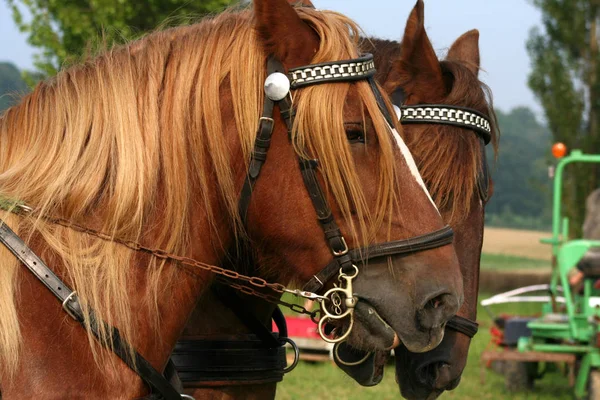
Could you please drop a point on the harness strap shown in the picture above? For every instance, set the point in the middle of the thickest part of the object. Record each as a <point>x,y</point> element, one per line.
<point>261,144</point>
<point>308,169</point>
<point>404,247</point>
<point>228,360</point>
<point>463,325</point>
<point>72,306</point>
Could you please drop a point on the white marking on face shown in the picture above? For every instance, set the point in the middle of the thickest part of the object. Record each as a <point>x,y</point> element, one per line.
<point>409,159</point>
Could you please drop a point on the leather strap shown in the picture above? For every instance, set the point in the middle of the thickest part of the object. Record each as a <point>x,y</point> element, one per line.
<point>226,363</point>
<point>239,358</point>
<point>404,247</point>
<point>463,325</point>
<point>261,144</point>
<point>71,305</point>
<point>483,178</point>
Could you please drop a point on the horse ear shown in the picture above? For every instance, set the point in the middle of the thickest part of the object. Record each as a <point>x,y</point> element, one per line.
<point>418,65</point>
<point>466,50</point>
<point>284,34</point>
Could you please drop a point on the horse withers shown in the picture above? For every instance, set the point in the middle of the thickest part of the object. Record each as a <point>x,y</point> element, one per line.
<point>126,172</point>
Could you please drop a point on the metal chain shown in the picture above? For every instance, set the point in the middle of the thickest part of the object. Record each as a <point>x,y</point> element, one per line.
<point>226,274</point>
<point>273,299</point>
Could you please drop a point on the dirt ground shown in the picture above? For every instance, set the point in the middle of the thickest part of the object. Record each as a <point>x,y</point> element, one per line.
<point>516,243</point>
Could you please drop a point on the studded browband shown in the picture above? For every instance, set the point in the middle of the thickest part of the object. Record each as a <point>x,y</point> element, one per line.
<point>449,115</point>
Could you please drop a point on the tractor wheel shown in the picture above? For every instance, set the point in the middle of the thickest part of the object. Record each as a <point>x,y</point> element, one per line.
<point>594,385</point>
<point>519,375</point>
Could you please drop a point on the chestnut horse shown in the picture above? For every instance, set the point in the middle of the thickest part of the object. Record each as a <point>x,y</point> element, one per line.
<point>453,163</point>
<point>122,177</point>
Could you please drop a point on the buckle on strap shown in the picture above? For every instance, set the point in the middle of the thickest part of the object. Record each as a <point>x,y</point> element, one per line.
<point>65,305</point>
<point>342,252</point>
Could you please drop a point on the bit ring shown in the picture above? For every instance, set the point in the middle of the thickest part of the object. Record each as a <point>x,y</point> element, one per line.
<point>294,363</point>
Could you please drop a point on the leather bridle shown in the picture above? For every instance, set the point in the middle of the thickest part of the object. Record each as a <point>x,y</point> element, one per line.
<point>345,260</point>
<point>462,117</point>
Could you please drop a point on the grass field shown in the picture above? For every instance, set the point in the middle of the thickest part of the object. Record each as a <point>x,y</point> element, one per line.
<point>504,250</point>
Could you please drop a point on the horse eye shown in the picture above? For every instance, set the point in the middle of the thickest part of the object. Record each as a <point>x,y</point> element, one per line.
<point>355,136</point>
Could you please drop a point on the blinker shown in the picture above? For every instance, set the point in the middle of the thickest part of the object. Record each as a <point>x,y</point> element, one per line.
<point>277,86</point>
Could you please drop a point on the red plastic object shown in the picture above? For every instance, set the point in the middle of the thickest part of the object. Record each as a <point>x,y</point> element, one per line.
<point>301,327</point>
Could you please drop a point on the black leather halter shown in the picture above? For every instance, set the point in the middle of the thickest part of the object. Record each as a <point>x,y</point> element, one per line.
<point>343,258</point>
<point>462,117</point>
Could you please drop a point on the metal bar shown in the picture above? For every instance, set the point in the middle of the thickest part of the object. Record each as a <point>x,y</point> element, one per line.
<point>558,348</point>
<point>515,355</point>
<point>520,299</point>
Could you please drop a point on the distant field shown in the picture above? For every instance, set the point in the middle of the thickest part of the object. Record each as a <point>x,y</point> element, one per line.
<point>513,242</point>
<point>512,263</point>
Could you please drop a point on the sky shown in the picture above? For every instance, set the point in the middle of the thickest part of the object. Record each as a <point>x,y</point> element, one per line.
<point>503,25</point>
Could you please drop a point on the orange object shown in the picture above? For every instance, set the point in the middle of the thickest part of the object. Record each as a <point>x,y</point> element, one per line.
<point>559,150</point>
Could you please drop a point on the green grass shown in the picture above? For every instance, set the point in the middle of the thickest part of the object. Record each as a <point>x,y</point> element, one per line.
<point>503,261</point>
<point>324,381</point>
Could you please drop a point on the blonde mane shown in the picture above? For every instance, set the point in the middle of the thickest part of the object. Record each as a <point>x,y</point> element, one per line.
<point>119,143</point>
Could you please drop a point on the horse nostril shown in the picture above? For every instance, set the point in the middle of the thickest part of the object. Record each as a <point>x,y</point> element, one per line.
<point>434,303</point>
<point>437,376</point>
<point>443,376</point>
<point>436,311</point>
<point>427,375</point>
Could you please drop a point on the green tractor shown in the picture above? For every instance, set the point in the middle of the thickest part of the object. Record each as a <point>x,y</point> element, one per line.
<point>568,329</point>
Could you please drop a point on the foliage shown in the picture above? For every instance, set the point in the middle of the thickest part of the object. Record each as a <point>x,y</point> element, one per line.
<point>11,85</point>
<point>64,29</point>
<point>522,194</point>
<point>565,78</point>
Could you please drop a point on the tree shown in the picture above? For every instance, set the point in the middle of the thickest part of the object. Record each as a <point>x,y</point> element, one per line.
<point>521,184</point>
<point>11,85</point>
<point>66,29</point>
<point>565,78</point>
